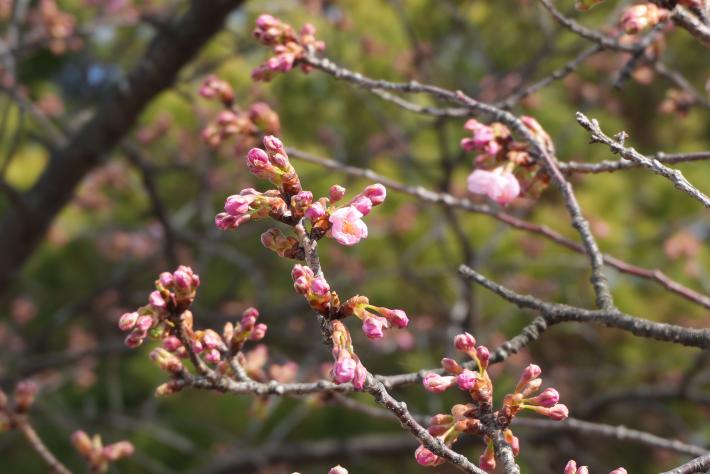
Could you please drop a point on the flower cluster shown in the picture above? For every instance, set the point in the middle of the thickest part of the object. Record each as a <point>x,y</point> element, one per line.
<point>571,468</point>
<point>96,454</point>
<point>347,366</point>
<point>290,204</point>
<point>642,16</point>
<point>479,418</point>
<point>504,167</point>
<point>288,47</point>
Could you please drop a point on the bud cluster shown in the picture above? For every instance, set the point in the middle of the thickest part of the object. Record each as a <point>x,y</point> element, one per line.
<point>504,167</point>
<point>374,318</point>
<point>96,454</point>
<point>174,294</point>
<point>288,46</point>
<point>642,16</point>
<point>347,366</point>
<point>20,403</point>
<point>479,418</point>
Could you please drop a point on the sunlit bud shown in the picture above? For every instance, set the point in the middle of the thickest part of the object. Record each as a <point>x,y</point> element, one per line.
<point>143,323</point>
<point>157,301</point>
<point>319,286</point>
<point>465,342</point>
<point>212,356</point>
<point>373,327</point>
<point>127,321</point>
<point>583,470</point>
<point>548,398</point>
<point>116,451</point>
<point>301,270</point>
<point>135,338</point>
<point>362,204</point>
<point>258,332</point>
<point>224,221</point>
<point>273,144</point>
<point>166,279</point>
<point>301,285</point>
<point>25,393</point>
<point>441,419</point>
<point>182,279</point>
<point>451,366</point>
<point>315,211</point>
<point>483,355</point>
<point>257,160</point>
<point>532,387</point>
<point>558,412</point>
<point>436,383</point>
<point>571,467</point>
<point>375,193</point>
<point>425,457</point>
<point>237,205</point>
<point>530,372</point>
<point>338,470</point>
<point>336,193</point>
<point>466,379</point>
<point>82,443</point>
<point>301,201</point>
<point>396,317</point>
<point>344,368</point>
<point>212,340</point>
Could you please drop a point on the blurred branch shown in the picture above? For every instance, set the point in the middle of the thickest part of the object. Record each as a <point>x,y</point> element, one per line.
<point>173,47</point>
<point>699,464</point>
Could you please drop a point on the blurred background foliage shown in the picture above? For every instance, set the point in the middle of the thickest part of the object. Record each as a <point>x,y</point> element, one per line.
<point>106,248</point>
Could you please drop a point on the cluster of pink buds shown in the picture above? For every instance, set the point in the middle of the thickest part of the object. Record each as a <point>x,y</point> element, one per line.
<point>288,47</point>
<point>313,287</point>
<point>504,167</point>
<point>174,294</point>
<point>642,16</point>
<point>215,88</point>
<point>469,418</point>
<point>571,468</point>
<point>96,454</point>
<point>374,318</point>
<point>347,366</point>
<point>249,204</point>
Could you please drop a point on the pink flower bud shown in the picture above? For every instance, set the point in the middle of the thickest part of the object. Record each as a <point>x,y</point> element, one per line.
<point>499,185</point>
<point>571,467</point>
<point>336,193</point>
<point>248,321</point>
<point>451,366</point>
<point>237,205</point>
<point>135,338</point>
<point>25,394</point>
<point>373,326</point>
<point>360,376</point>
<point>315,211</point>
<point>513,441</point>
<point>618,470</point>
<point>157,301</point>
<point>467,379</point>
<point>273,144</point>
<point>396,317</point>
<point>425,457</point>
<point>344,368</point>
<point>143,323</point>
<point>465,342</point>
<point>558,412</point>
<point>375,193</point>
<point>128,321</point>
<point>301,285</point>
<point>172,343</point>
<point>212,356</point>
<point>257,160</point>
<point>166,360</point>
<point>436,383</point>
<point>483,355</point>
<point>547,398</point>
<point>182,279</point>
<point>319,286</point>
<point>583,470</point>
<point>211,339</point>
<point>338,470</point>
<point>166,279</point>
<point>250,313</point>
<point>224,221</point>
<point>530,372</point>
<point>258,333</point>
<point>265,21</point>
<point>301,270</point>
<point>362,204</point>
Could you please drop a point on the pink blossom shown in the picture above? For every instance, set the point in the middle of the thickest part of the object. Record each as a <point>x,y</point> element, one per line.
<point>436,383</point>
<point>375,193</point>
<point>499,185</point>
<point>348,227</point>
<point>360,375</point>
<point>319,286</point>
<point>344,368</point>
<point>548,398</point>
<point>571,467</point>
<point>315,211</point>
<point>362,204</point>
<point>157,301</point>
<point>530,372</point>
<point>466,379</point>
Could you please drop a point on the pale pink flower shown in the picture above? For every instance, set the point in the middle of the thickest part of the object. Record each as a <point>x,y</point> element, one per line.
<point>499,185</point>
<point>348,227</point>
